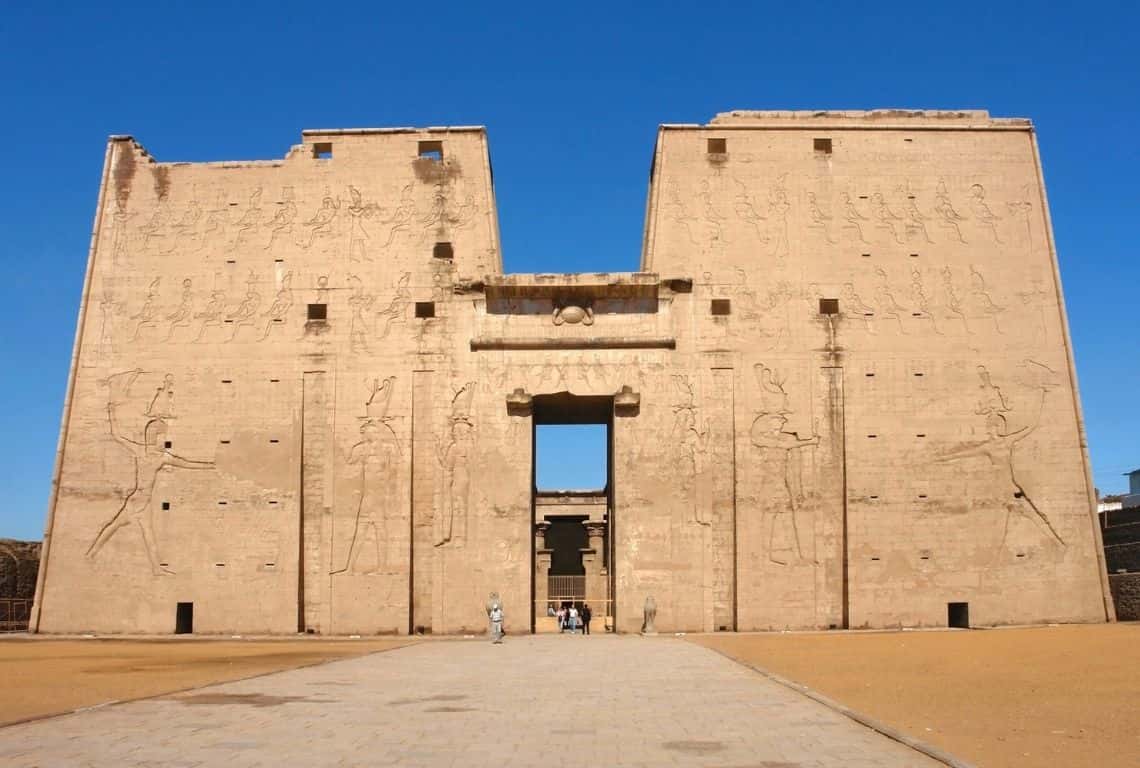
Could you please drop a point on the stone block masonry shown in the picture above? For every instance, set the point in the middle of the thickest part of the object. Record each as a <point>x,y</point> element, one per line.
<point>839,393</point>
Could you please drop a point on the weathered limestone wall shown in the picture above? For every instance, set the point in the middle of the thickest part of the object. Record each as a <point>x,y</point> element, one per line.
<point>214,426</point>
<point>935,411</point>
<point>840,390</point>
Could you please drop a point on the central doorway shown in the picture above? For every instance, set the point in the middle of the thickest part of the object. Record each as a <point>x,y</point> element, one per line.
<point>572,506</point>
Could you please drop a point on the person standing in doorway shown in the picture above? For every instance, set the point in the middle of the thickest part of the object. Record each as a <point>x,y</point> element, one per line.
<point>496,616</point>
<point>586,616</point>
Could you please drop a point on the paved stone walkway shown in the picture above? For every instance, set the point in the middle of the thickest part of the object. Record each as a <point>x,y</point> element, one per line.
<point>534,701</point>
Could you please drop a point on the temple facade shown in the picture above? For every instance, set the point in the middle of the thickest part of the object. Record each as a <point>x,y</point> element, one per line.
<point>840,392</point>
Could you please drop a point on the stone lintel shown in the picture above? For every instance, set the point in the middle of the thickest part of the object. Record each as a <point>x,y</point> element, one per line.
<point>597,342</point>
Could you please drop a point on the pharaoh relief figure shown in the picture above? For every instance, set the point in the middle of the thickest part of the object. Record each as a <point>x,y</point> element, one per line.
<point>455,451</point>
<point>376,457</point>
<point>782,464</point>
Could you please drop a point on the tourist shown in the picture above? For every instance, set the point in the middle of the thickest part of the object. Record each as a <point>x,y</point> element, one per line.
<point>496,624</point>
<point>562,618</point>
<point>573,619</point>
<point>586,615</point>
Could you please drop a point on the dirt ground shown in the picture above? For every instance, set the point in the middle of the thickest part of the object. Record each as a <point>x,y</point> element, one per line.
<point>1041,696</point>
<point>45,676</point>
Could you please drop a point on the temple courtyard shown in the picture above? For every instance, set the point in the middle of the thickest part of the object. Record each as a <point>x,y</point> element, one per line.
<point>1026,697</point>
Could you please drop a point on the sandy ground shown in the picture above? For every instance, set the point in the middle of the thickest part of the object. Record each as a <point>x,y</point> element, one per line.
<point>1043,696</point>
<point>41,677</point>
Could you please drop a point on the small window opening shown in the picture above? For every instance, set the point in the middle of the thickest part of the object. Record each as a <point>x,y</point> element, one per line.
<point>874,496</point>
<point>823,146</point>
<point>862,197</point>
<point>274,381</point>
<point>908,139</point>
<point>866,255</point>
<point>921,434</point>
<point>279,261</point>
<point>273,501</point>
<point>425,309</point>
<point>165,505</point>
<point>874,559</point>
<point>914,255</point>
<point>225,442</point>
<point>222,503</point>
<point>958,615</point>
<point>924,557</point>
<point>721,306</point>
<point>872,436</point>
<point>717,146</point>
<point>920,374</point>
<point>869,375</point>
<point>322,150</point>
<point>274,440</point>
<point>443,251</point>
<point>167,444</point>
<point>922,495</point>
<point>270,565</point>
<point>231,261</point>
<point>227,381</point>
<point>1018,495</point>
<point>219,565</point>
<point>831,307</point>
<point>431,150</point>
<point>318,312</point>
<point>184,619</point>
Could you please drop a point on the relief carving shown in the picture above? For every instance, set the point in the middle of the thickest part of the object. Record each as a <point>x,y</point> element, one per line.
<point>781,461</point>
<point>278,312</point>
<point>999,448</point>
<point>455,452</point>
<point>377,454</point>
<point>149,457</point>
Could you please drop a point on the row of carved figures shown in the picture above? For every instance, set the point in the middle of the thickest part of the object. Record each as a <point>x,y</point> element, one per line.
<point>365,227</point>
<point>936,300</point>
<point>902,216</point>
<point>221,318</point>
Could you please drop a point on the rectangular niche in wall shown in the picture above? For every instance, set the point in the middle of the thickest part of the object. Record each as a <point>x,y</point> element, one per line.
<point>958,615</point>
<point>431,150</point>
<point>184,619</point>
<point>425,309</point>
<point>318,312</point>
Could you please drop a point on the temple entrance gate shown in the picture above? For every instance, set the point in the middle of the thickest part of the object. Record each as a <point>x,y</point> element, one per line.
<point>571,556</point>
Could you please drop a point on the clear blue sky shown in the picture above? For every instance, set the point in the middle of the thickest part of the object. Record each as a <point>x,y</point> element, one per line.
<point>571,94</point>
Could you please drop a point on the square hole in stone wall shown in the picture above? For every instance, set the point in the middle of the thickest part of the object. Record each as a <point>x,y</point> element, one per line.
<point>322,150</point>
<point>431,150</point>
<point>425,309</point>
<point>318,312</point>
<point>829,306</point>
<point>823,146</point>
<point>717,146</point>
<point>443,251</point>
<point>721,307</point>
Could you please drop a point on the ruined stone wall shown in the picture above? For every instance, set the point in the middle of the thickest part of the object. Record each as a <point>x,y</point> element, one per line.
<point>19,563</point>
<point>1126,595</point>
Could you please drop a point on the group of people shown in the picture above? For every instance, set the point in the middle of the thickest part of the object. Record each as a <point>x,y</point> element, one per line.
<point>571,618</point>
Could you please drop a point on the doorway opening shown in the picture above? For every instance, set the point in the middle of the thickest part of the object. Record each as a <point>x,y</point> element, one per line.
<point>958,615</point>
<point>572,503</point>
<point>184,619</point>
